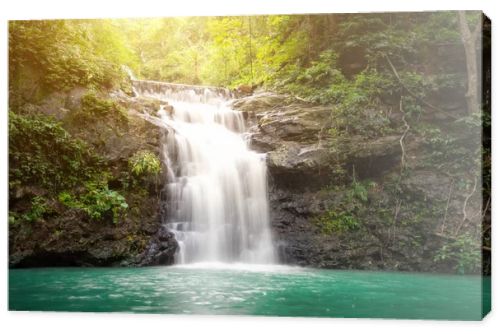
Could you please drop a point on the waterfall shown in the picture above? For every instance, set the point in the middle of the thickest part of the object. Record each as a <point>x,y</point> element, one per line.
<point>217,187</point>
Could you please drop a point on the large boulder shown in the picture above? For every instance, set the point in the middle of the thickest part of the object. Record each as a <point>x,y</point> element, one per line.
<point>292,165</point>
<point>374,157</point>
<point>296,137</point>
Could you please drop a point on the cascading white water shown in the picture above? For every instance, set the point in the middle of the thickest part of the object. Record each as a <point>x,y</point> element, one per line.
<point>218,205</point>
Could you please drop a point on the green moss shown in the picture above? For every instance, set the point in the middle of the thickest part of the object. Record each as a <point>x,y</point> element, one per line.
<point>144,163</point>
<point>348,213</point>
<point>337,222</point>
<point>96,108</point>
<point>38,208</point>
<point>464,252</point>
<point>42,153</point>
<point>96,201</point>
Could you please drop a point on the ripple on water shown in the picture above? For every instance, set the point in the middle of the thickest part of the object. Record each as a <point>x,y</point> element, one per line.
<point>254,291</point>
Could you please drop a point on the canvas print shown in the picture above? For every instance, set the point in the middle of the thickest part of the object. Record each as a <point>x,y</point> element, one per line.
<point>326,165</point>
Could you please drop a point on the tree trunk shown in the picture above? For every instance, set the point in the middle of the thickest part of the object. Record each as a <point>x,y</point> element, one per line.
<point>469,39</point>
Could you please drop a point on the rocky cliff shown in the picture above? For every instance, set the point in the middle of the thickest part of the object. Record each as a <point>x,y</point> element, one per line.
<point>348,204</point>
<point>336,202</point>
<point>65,236</point>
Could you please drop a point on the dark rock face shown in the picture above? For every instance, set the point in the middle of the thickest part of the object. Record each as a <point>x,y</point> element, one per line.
<point>161,250</point>
<point>302,165</point>
<point>373,158</point>
<point>67,237</point>
<point>295,137</point>
<point>301,242</point>
<point>291,134</point>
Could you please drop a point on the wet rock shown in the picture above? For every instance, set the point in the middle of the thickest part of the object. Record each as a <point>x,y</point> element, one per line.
<point>373,158</point>
<point>68,237</point>
<point>161,250</point>
<point>260,102</point>
<point>295,166</point>
<point>429,183</point>
<point>301,164</point>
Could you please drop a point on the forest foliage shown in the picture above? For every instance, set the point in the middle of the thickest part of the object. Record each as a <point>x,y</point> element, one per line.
<point>322,58</point>
<point>371,68</point>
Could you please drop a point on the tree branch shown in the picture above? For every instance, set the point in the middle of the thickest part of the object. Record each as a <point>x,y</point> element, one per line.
<point>401,140</point>
<point>394,220</point>
<point>464,208</point>
<point>443,224</point>
<point>464,26</point>
<point>467,199</point>
<point>469,40</point>
<point>465,29</point>
<point>486,208</point>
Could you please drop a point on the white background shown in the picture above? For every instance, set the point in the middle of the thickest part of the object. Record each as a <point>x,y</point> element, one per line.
<point>19,322</point>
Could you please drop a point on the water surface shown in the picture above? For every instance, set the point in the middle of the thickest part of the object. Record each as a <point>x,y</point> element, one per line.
<point>247,290</point>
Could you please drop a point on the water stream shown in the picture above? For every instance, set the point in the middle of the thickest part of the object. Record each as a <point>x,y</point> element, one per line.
<point>217,187</point>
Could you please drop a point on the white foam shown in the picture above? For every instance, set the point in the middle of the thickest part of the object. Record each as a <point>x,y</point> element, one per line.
<point>238,266</point>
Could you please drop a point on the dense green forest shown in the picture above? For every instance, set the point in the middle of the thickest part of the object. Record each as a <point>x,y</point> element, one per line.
<point>370,68</point>
<point>350,61</point>
<point>296,53</point>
